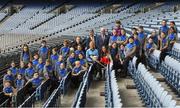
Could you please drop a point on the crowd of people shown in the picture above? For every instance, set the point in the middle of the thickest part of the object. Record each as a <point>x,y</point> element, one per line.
<point>76,57</point>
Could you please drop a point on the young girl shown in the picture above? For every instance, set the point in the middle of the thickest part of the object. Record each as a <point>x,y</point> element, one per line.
<point>171,37</point>
<point>79,50</point>
<point>25,55</point>
<point>48,70</point>
<point>82,60</point>
<point>8,89</point>
<point>19,83</point>
<point>104,56</point>
<point>60,60</point>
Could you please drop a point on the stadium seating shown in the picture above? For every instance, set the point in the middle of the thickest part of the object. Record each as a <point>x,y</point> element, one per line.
<point>151,90</point>
<point>112,97</point>
<point>171,71</point>
<point>175,52</point>
<point>154,59</point>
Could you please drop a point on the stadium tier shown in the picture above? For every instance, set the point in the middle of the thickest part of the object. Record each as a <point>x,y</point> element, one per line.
<point>94,53</point>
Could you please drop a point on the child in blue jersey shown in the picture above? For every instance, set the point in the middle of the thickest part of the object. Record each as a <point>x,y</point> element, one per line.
<point>60,60</point>
<point>163,45</point>
<point>114,37</point>
<point>48,70</point>
<point>64,51</point>
<point>35,60</point>
<point>150,46</point>
<point>142,39</point>
<point>43,51</point>
<point>36,80</point>
<point>19,83</point>
<point>54,57</point>
<point>13,68</point>
<point>25,55</point>
<point>77,73</point>
<point>164,28</point>
<point>62,71</point>
<point>137,44</point>
<point>71,61</point>
<point>82,60</point>
<point>123,38</point>
<point>8,77</point>
<point>171,37</point>
<point>130,51</point>
<point>154,36</point>
<point>79,50</point>
<point>22,69</point>
<point>8,90</point>
<point>40,67</point>
<point>121,54</point>
<point>29,71</point>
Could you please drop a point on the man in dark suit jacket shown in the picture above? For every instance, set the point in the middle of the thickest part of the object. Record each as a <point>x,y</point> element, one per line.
<point>102,39</point>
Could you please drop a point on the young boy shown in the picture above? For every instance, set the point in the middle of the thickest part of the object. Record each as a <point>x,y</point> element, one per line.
<point>8,89</point>
<point>62,72</point>
<point>35,60</point>
<point>77,73</point>
<point>150,46</point>
<point>22,68</point>
<point>48,70</point>
<point>123,38</point>
<point>19,83</point>
<point>40,67</point>
<point>114,37</point>
<point>64,51</point>
<point>13,68</point>
<point>79,50</point>
<point>43,51</point>
<point>83,61</point>
<point>29,71</point>
<point>60,60</point>
<point>70,61</point>
<point>54,57</point>
<point>8,77</point>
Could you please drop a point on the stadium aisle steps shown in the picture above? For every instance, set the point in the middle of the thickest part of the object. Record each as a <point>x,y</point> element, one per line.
<point>130,97</point>
<point>93,96</point>
<point>67,100</point>
<point>166,86</point>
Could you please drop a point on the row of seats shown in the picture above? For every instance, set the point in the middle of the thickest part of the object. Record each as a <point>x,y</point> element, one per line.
<point>175,52</point>
<point>151,90</point>
<point>171,71</point>
<point>112,96</point>
<point>80,97</point>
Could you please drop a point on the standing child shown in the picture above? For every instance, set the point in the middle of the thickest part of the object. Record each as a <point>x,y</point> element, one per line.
<point>44,51</point>
<point>54,57</point>
<point>71,61</point>
<point>64,51</point>
<point>8,77</point>
<point>35,60</point>
<point>13,68</point>
<point>62,72</point>
<point>29,71</point>
<point>25,55</point>
<point>22,69</point>
<point>163,46</point>
<point>40,67</point>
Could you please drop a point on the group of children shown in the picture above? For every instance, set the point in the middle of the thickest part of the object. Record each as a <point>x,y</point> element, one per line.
<point>75,58</point>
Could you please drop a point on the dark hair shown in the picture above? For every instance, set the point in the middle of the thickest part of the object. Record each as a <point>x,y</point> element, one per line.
<point>173,22</point>
<point>141,27</point>
<point>43,41</point>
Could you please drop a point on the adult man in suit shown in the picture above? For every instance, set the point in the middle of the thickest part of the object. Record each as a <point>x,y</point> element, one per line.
<point>102,39</point>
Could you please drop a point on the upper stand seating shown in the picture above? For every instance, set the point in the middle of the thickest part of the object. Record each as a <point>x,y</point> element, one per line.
<point>112,96</point>
<point>171,71</point>
<point>151,90</point>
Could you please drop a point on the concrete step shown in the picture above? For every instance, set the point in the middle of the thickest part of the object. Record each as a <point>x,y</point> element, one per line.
<point>93,96</point>
<point>129,94</point>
